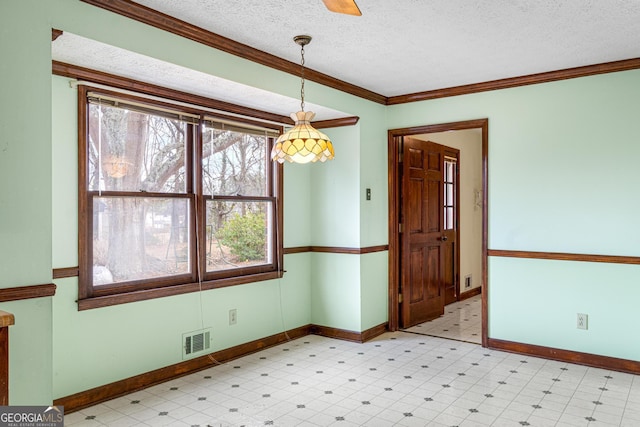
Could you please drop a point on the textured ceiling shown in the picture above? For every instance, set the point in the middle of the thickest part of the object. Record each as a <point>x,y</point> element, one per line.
<point>73,49</point>
<point>396,47</point>
<point>399,47</point>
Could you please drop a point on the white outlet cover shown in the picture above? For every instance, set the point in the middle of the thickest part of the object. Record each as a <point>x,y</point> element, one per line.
<point>582,321</point>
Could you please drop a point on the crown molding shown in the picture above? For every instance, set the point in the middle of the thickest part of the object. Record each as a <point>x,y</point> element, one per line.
<point>181,28</point>
<point>55,34</point>
<point>334,123</point>
<point>551,76</point>
<point>184,29</point>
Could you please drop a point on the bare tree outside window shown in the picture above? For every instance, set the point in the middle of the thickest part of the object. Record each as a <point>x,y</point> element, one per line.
<point>134,153</point>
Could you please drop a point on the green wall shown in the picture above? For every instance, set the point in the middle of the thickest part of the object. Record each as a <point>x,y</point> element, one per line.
<point>335,278</point>
<point>562,178</point>
<point>374,218</point>
<point>373,174</point>
<point>25,194</point>
<point>536,301</point>
<point>374,289</point>
<point>335,189</point>
<point>350,291</point>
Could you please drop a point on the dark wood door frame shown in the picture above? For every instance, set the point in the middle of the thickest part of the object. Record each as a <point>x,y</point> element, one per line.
<point>394,209</point>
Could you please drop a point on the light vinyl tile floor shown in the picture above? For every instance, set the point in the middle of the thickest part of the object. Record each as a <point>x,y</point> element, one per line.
<point>397,379</point>
<point>462,321</point>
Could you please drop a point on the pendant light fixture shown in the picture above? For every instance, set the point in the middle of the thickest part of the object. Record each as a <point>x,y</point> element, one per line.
<point>302,143</point>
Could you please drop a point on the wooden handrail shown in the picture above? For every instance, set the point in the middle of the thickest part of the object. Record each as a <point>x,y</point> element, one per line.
<point>6,320</point>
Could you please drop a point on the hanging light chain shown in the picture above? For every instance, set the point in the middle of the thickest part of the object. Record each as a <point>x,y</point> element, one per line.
<point>302,77</point>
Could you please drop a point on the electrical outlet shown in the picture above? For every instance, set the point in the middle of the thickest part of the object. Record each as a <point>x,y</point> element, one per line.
<point>467,281</point>
<point>233,316</point>
<point>582,321</point>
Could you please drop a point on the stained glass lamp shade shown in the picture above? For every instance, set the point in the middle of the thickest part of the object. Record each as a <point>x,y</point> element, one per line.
<point>302,143</point>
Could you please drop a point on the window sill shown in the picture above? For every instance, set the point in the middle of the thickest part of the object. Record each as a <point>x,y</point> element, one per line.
<point>167,291</point>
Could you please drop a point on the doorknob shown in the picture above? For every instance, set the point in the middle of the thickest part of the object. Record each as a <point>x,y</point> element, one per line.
<point>444,238</point>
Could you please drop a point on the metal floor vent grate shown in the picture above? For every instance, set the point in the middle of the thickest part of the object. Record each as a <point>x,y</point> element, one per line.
<point>196,342</point>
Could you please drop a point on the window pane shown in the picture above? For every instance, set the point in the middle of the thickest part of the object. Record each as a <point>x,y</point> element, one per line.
<point>233,163</point>
<point>448,194</point>
<point>133,151</point>
<point>138,238</point>
<point>238,234</point>
<point>448,219</point>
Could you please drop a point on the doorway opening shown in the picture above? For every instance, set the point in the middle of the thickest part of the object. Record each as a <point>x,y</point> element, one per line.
<point>418,250</point>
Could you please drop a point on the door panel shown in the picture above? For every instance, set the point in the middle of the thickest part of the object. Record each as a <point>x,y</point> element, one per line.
<point>414,204</point>
<point>434,286</point>
<point>424,284</point>
<point>416,289</point>
<point>433,213</point>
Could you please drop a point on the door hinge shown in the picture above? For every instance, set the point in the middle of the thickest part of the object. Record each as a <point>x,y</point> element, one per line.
<point>399,298</point>
<point>399,228</point>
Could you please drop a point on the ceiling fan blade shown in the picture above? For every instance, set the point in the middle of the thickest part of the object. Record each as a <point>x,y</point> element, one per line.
<point>348,7</point>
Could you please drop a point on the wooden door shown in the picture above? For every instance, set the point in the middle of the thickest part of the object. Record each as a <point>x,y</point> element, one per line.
<point>422,252</point>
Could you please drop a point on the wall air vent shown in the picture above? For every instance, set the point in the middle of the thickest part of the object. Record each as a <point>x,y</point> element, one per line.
<point>196,343</point>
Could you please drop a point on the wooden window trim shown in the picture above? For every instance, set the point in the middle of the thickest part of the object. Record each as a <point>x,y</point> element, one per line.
<point>161,292</point>
<point>90,297</point>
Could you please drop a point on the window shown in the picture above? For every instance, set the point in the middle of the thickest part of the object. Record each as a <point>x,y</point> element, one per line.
<point>450,165</point>
<point>172,199</point>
